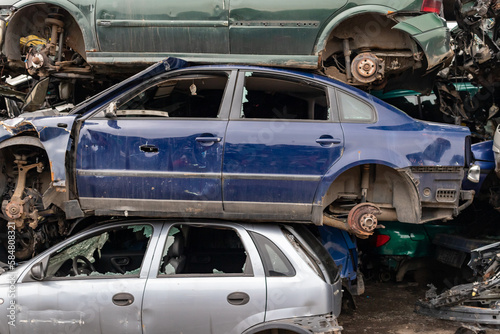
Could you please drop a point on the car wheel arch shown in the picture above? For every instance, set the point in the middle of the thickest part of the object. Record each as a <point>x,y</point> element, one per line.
<point>343,17</point>
<point>355,34</point>
<point>22,23</point>
<point>388,185</point>
<point>27,143</point>
<point>276,328</point>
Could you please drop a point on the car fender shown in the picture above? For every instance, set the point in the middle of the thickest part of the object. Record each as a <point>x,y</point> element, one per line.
<point>322,39</point>
<point>54,136</point>
<point>426,31</point>
<point>82,14</point>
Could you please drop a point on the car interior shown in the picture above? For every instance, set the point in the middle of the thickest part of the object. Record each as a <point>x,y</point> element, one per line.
<point>279,99</point>
<point>191,97</point>
<point>194,249</point>
<point>118,251</point>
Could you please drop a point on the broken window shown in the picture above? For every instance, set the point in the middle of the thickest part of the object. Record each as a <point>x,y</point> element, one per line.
<point>269,97</point>
<point>354,110</point>
<point>117,251</point>
<point>193,249</point>
<point>197,96</point>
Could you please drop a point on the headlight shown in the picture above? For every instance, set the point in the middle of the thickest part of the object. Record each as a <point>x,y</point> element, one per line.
<point>474,173</point>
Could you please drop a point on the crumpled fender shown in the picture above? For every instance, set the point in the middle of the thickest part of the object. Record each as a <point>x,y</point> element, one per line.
<point>54,134</point>
<point>431,33</point>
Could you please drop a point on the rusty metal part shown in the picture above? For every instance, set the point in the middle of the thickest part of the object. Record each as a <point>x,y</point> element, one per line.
<point>362,219</point>
<point>20,208</point>
<point>366,67</point>
<point>337,223</point>
<point>365,181</point>
<point>56,26</point>
<point>347,56</point>
<point>37,60</point>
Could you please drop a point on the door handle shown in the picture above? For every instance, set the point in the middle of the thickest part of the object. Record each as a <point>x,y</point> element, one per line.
<point>148,148</point>
<point>238,298</point>
<point>119,262</point>
<point>328,141</point>
<point>208,141</point>
<point>123,299</point>
<point>104,23</point>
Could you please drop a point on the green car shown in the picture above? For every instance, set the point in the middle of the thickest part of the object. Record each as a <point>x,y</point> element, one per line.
<point>367,43</point>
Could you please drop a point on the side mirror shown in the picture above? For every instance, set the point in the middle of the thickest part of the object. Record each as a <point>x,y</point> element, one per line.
<point>36,97</point>
<point>110,111</point>
<point>38,272</point>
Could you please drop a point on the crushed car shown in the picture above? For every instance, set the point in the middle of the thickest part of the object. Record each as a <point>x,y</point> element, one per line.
<point>151,276</point>
<point>231,142</point>
<point>364,43</point>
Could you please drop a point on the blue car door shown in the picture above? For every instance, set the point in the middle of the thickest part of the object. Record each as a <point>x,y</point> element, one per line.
<point>281,139</point>
<point>162,152</point>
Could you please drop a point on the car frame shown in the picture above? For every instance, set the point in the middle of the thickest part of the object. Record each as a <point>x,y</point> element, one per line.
<point>344,170</point>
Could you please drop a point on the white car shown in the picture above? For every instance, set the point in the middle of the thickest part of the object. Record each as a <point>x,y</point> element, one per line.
<point>144,276</point>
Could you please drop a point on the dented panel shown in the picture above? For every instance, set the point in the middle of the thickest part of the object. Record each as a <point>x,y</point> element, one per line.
<point>54,134</point>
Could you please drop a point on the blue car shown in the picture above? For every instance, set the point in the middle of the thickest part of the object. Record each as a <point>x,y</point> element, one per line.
<point>232,142</point>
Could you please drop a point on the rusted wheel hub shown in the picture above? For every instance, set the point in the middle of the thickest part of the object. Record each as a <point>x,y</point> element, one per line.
<point>362,219</point>
<point>367,67</point>
<point>14,210</point>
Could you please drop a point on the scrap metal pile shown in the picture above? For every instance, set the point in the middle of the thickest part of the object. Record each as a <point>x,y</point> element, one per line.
<point>477,59</point>
<point>477,302</point>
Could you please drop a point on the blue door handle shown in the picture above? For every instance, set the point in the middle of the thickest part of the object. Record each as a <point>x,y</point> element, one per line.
<point>328,141</point>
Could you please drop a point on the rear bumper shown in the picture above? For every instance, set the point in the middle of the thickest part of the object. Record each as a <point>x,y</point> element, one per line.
<point>431,33</point>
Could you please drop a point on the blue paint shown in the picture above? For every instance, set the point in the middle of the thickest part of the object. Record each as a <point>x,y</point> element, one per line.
<point>255,161</point>
<point>343,249</point>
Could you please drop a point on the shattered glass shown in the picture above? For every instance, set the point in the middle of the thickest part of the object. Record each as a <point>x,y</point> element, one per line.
<point>85,248</point>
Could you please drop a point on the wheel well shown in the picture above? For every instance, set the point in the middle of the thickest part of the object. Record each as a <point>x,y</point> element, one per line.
<point>367,31</point>
<point>389,188</point>
<point>31,153</point>
<point>30,20</point>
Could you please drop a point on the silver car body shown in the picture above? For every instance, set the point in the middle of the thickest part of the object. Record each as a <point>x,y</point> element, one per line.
<point>154,299</point>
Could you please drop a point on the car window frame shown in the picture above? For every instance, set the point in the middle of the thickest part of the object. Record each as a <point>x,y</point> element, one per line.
<point>225,105</point>
<point>44,257</point>
<point>239,89</point>
<point>315,251</point>
<point>338,100</point>
<point>162,243</point>
<point>265,259</point>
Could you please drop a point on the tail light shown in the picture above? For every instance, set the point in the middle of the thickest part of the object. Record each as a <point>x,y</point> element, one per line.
<point>381,240</point>
<point>432,6</point>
